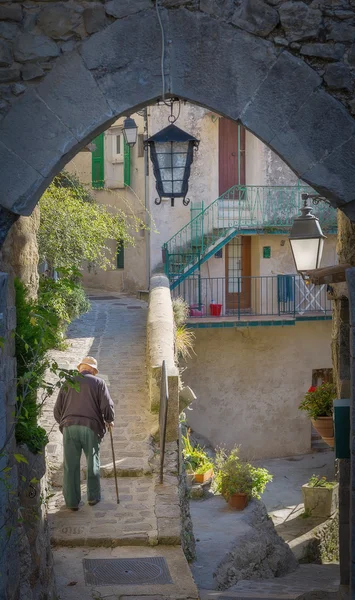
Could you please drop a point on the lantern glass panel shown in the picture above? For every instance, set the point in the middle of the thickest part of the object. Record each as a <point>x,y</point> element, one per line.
<point>307,253</point>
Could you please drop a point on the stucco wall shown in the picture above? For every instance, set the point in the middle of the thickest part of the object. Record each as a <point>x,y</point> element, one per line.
<point>249,383</point>
<point>132,202</point>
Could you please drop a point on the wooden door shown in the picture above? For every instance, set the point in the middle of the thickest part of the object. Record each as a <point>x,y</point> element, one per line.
<point>231,154</point>
<point>238,271</point>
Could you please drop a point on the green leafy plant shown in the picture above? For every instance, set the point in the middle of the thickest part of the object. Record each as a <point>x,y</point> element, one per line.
<point>75,228</point>
<point>318,401</point>
<point>65,297</point>
<point>321,482</point>
<point>195,457</point>
<point>234,475</point>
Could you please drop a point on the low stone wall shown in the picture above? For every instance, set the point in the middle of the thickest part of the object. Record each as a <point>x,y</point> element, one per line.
<point>160,347</point>
<point>25,556</point>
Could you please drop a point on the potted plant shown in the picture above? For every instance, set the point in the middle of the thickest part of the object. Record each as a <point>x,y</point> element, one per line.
<point>197,461</point>
<point>237,480</point>
<point>320,496</point>
<point>318,404</point>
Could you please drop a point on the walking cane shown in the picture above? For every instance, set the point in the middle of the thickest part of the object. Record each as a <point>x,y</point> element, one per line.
<point>114,464</point>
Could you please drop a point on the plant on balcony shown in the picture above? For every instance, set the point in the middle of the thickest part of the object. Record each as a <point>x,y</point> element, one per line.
<point>237,480</point>
<point>197,460</point>
<point>184,337</point>
<point>318,404</point>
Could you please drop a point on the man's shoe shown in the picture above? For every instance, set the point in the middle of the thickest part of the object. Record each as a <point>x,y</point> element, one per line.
<point>93,502</point>
<point>73,507</point>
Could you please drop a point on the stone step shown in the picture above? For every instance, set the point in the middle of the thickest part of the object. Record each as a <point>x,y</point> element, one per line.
<point>70,575</point>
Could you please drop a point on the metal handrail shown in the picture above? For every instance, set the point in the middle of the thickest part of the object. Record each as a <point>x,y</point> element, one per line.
<point>244,208</point>
<point>163,416</point>
<point>241,297</point>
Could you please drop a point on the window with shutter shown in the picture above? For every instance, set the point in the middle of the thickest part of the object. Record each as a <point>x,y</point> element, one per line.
<point>127,164</point>
<point>120,256</point>
<point>98,168</point>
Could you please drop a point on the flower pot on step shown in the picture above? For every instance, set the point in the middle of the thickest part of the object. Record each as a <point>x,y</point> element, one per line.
<point>325,428</point>
<point>320,501</point>
<point>238,501</point>
<point>203,477</point>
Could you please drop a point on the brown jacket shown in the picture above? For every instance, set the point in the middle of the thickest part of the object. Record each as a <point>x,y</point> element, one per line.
<point>91,406</point>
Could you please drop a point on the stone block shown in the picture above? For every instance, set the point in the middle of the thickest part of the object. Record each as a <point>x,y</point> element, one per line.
<point>78,100</point>
<point>300,21</point>
<point>341,32</point>
<point>11,13</point>
<point>117,65</point>
<point>9,74</point>
<point>31,71</point>
<point>334,176</point>
<point>29,47</point>
<point>269,111</point>
<point>326,51</point>
<point>33,131</point>
<point>338,76</point>
<point>313,133</point>
<point>256,17</point>
<point>223,9</point>
<point>217,81</point>
<point>20,183</point>
<point>95,19</point>
<point>9,30</point>
<point>5,54</point>
<point>123,8</point>
<point>58,20</point>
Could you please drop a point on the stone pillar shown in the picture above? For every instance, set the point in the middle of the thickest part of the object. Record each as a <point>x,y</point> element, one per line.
<point>350,276</point>
<point>19,254</point>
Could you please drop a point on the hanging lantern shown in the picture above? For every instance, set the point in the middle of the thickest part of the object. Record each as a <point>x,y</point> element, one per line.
<point>306,239</point>
<point>172,153</point>
<point>130,131</point>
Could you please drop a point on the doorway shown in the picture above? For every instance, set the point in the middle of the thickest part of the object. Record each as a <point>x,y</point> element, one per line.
<point>231,155</point>
<point>238,273</point>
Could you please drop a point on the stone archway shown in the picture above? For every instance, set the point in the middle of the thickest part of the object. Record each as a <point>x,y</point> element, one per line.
<point>219,61</point>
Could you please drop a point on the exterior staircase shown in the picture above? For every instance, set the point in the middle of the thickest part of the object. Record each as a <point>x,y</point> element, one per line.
<point>240,210</point>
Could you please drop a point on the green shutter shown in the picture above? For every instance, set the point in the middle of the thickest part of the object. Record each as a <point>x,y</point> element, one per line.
<point>127,163</point>
<point>98,168</point>
<point>120,256</point>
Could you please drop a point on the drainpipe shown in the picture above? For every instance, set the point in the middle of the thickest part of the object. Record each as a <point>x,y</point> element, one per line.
<point>146,203</point>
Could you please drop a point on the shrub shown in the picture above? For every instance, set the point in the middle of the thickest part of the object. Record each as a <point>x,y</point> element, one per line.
<point>195,457</point>
<point>181,311</point>
<point>65,298</point>
<point>318,401</point>
<point>184,342</point>
<point>234,475</point>
<point>317,481</point>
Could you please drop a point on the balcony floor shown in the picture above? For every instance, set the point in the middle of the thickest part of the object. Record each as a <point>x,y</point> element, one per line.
<point>254,320</point>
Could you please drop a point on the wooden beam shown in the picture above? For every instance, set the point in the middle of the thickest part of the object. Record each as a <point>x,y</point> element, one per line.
<point>334,274</point>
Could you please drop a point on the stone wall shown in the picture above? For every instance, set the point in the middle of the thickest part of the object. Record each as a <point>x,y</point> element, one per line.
<point>34,34</point>
<point>291,86</point>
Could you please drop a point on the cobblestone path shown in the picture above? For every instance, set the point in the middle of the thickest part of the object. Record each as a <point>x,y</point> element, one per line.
<point>114,332</point>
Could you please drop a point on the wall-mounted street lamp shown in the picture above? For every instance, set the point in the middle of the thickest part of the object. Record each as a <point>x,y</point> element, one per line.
<point>130,131</point>
<point>306,238</point>
<point>172,153</point>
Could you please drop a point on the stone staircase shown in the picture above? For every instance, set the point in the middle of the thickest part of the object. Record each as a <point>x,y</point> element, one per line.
<point>147,521</point>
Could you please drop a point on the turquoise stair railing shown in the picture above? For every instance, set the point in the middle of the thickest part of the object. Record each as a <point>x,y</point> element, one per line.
<point>242,209</point>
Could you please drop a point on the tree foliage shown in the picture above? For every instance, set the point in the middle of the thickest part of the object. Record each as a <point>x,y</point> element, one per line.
<point>75,228</point>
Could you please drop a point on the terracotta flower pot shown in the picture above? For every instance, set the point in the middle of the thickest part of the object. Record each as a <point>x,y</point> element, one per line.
<point>203,477</point>
<point>325,428</point>
<point>238,501</point>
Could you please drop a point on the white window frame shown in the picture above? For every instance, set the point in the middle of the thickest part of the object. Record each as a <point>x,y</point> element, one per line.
<point>117,158</point>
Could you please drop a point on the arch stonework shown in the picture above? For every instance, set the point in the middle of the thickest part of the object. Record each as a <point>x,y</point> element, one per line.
<point>250,66</point>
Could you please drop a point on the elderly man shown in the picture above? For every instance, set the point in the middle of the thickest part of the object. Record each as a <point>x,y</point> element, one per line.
<point>83,416</point>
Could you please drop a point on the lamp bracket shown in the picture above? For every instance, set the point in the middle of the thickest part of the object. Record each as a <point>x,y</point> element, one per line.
<point>186,201</point>
<point>316,198</point>
<point>157,201</point>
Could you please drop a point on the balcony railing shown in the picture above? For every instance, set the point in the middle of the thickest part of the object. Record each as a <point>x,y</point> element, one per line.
<point>243,297</point>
